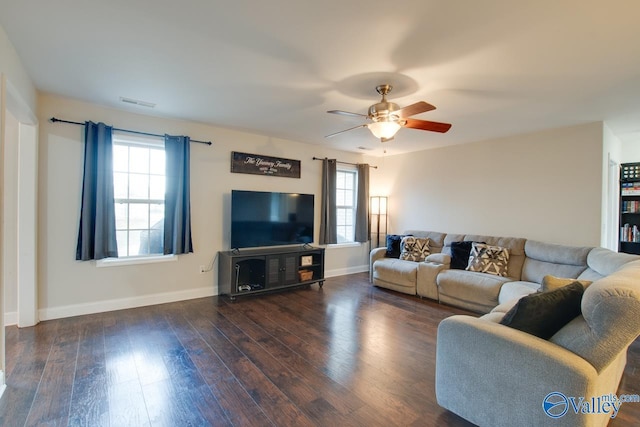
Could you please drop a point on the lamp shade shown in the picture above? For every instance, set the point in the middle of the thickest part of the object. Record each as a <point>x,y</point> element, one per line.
<point>383,205</point>
<point>378,205</point>
<point>378,218</point>
<point>384,129</point>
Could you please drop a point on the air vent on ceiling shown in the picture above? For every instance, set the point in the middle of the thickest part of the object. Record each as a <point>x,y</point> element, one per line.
<point>137,102</point>
<point>362,147</point>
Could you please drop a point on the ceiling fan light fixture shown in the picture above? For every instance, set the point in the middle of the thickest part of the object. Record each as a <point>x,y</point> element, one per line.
<point>386,130</point>
<point>388,117</point>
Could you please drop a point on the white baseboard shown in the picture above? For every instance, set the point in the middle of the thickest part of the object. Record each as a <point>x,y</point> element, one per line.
<point>345,271</point>
<point>123,303</point>
<point>11,318</point>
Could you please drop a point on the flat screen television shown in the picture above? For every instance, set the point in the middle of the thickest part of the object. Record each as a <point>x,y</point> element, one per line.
<point>262,218</point>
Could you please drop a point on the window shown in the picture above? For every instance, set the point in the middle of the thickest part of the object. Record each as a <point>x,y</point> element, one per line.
<point>346,204</point>
<point>139,189</point>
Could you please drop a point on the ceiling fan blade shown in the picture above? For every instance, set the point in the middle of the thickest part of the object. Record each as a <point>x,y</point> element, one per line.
<point>427,125</point>
<point>346,113</point>
<point>346,130</point>
<point>413,109</point>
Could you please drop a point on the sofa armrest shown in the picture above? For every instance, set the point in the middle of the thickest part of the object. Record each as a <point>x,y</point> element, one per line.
<point>376,254</point>
<point>439,258</point>
<point>426,281</point>
<point>480,362</point>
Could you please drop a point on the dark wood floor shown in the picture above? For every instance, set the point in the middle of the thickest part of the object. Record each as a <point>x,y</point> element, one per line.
<point>347,354</point>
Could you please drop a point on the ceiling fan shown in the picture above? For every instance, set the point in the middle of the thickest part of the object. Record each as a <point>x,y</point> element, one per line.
<point>387,117</point>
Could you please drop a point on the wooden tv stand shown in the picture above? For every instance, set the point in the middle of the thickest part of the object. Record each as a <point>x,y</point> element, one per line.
<point>254,271</point>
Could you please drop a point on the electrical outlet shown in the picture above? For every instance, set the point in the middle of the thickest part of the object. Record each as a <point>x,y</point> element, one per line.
<point>203,269</point>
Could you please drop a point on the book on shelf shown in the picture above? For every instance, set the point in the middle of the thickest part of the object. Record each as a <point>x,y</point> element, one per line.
<point>630,206</point>
<point>630,188</point>
<point>629,233</point>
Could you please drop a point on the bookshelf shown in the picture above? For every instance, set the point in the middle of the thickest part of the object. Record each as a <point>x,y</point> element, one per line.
<point>629,239</point>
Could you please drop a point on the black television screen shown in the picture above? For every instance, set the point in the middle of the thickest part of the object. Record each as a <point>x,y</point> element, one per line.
<point>261,218</point>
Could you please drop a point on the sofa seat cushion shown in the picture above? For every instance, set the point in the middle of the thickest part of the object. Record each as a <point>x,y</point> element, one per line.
<point>469,289</point>
<point>513,291</point>
<point>396,271</point>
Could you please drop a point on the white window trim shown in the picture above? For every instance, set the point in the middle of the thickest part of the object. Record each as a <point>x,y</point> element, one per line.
<point>120,137</point>
<point>351,169</point>
<point>151,259</point>
<point>344,245</point>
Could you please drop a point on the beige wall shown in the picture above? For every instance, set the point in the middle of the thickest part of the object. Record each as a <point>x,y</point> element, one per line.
<point>631,151</point>
<point>70,287</point>
<point>545,186</point>
<point>19,83</point>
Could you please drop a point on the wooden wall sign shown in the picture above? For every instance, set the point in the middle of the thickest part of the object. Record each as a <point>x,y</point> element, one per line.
<point>258,164</point>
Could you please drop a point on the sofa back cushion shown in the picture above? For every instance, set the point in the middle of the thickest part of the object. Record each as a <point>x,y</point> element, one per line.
<point>449,238</point>
<point>602,262</point>
<point>436,239</point>
<point>610,318</point>
<point>557,260</point>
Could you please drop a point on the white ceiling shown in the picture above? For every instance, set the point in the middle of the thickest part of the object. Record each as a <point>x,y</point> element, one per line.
<point>492,67</point>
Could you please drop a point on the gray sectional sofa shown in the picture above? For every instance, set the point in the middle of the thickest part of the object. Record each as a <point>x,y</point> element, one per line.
<point>495,375</point>
<point>529,261</point>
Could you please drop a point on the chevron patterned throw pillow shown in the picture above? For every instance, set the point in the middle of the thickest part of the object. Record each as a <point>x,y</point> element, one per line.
<point>414,248</point>
<point>488,259</point>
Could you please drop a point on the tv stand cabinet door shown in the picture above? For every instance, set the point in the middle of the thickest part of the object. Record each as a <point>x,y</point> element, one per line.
<point>282,270</point>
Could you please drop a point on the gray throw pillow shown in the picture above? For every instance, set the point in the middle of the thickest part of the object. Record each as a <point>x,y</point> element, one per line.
<point>545,313</point>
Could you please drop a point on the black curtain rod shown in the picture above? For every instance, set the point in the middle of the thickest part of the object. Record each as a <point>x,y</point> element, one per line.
<point>345,163</point>
<point>54,120</point>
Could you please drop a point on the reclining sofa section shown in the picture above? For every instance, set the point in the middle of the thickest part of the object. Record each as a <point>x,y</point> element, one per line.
<point>529,261</point>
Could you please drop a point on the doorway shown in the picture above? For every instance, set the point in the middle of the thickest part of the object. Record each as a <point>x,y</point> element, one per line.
<point>19,213</point>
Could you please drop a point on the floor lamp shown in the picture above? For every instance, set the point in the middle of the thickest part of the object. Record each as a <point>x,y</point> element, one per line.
<point>378,209</point>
